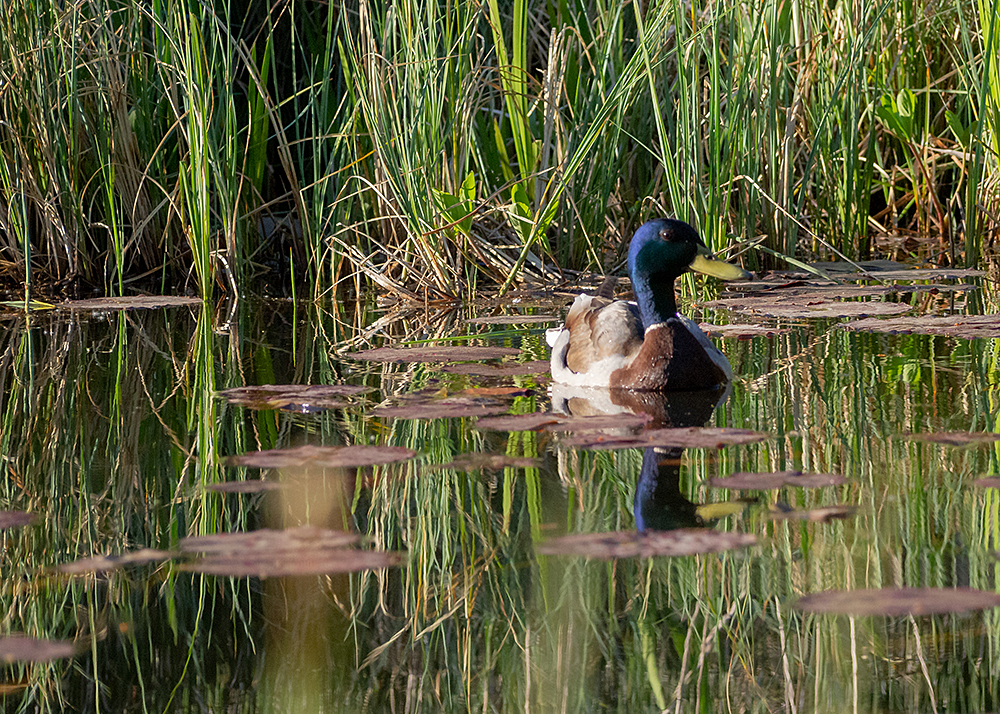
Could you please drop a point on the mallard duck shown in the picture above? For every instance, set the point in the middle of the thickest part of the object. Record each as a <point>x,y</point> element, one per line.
<point>645,345</point>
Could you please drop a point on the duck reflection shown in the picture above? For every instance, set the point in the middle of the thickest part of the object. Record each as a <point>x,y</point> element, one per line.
<point>659,503</point>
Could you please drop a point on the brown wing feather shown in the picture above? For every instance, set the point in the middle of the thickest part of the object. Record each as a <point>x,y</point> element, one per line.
<point>601,328</point>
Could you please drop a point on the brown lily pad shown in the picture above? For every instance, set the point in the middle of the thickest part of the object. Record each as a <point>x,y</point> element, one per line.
<point>286,396</point>
<point>963,326</point>
<point>648,544</point>
<point>922,274</point>
<point>742,332</point>
<point>550,421</point>
<point>991,482</point>
<point>679,438</point>
<point>491,462</point>
<point>276,565</point>
<point>255,485</point>
<point>15,519</point>
<point>828,309</point>
<point>447,408</point>
<point>104,563</point>
<point>508,392</point>
<point>132,302</point>
<point>306,550</point>
<point>899,601</point>
<point>954,438</point>
<point>32,649</point>
<point>504,369</point>
<point>322,457</point>
<point>512,320</point>
<point>750,481</point>
<point>824,514</point>
<point>266,539</point>
<point>441,353</point>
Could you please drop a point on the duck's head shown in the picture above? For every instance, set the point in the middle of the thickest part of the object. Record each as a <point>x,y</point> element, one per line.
<point>660,251</point>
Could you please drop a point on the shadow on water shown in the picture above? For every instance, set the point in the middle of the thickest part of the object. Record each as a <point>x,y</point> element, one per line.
<point>114,439</point>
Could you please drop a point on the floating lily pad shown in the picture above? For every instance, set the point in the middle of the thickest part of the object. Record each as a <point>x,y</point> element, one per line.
<point>504,369</point>
<point>954,438</point>
<point>648,544</point>
<point>480,461</point>
<point>322,456</point>
<point>284,396</point>
<point>266,539</point>
<point>306,550</point>
<point>31,649</point>
<point>256,485</point>
<point>133,302</point>
<point>741,331</point>
<point>824,514</point>
<point>277,565</point>
<point>965,326</point>
<point>443,353</point>
<point>823,309</point>
<point>536,421</point>
<point>991,482</point>
<point>498,392</point>
<point>103,563</point>
<point>512,320</point>
<point>922,274</point>
<point>899,601</point>
<point>15,519</point>
<point>749,481</point>
<point>448,408</point>
<point>680,438</point>
<point>549,421</point>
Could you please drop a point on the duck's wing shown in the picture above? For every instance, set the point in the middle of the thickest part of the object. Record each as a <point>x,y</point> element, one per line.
<point>601,329</point>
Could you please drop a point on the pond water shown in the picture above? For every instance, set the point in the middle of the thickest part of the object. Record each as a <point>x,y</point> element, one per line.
<point>460,595</point>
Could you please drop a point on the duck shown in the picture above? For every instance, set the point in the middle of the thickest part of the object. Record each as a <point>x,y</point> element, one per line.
<point>645,345</point>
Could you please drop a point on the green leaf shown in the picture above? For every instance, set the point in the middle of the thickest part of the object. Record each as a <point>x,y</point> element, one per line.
<point>961,132</point>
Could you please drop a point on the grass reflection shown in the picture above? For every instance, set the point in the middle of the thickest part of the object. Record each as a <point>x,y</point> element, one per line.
<point>111,430</point>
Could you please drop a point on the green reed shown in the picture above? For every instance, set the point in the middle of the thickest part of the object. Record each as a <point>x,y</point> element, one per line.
<point>437,145</point>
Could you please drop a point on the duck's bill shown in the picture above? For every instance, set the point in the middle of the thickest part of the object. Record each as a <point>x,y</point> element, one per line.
<point>718,269</point>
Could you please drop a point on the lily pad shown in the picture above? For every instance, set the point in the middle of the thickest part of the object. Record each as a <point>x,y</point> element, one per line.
<point>132,302</point>
<point>442,353</point>
<point>899,601</point>
<point>504,369</point>
<point>285,396</point>
<point>824,514</point>
<point>103,563</point>
<point>512,320</point>
<point>825,309</point>
<point>447,408</point>
<point>749,481</point>
<point>322,456</point>
<point>306,550</point>
<point>922,274</point>
<point>991,482</point>
<point>15,519</point>
<point>741,331</point>
<point>648,544</point>
<point>954,438</point>
<point>32,649</point>
<point>266,539</point>
<point>480,461</point>
<point>256,485</point>
<point>550,421</point>
<point>679,438</point>
<point>509,392</point>
<point>277,565</point>
<point>965,326</point>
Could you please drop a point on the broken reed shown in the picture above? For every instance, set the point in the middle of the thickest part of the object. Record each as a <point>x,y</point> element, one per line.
<point>431,146</point>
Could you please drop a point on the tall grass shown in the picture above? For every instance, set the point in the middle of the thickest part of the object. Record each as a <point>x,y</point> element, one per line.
<point>432,146</point>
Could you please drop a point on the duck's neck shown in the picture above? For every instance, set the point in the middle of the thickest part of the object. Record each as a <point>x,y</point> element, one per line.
<point>655,297</point>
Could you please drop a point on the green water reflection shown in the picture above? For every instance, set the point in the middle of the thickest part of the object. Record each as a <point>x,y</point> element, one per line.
<point>111,432</point>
